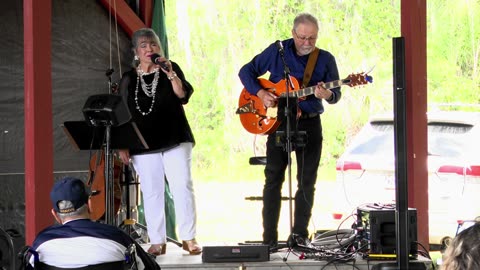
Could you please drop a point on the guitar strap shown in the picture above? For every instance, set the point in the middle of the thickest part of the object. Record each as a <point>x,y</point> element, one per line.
<point>312,60</point>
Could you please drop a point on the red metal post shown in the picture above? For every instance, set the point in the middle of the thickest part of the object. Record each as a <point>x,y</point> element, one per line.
<point>146,7</point>
<point>38,116</point>
<point>414,30</point>
<point>125,15</point>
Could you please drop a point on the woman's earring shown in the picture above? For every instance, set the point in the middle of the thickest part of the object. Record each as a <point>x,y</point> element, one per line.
<point>135,58</point>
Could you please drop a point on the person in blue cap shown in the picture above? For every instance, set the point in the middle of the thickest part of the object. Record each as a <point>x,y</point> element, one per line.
<point>77,241</point>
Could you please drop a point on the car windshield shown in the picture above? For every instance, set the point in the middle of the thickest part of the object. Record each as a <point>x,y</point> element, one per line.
<point>448,139</point>
<point>444,139</point>
<point>377,140</point>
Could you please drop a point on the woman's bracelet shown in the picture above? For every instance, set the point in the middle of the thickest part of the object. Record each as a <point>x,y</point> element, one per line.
<point>174,74</point>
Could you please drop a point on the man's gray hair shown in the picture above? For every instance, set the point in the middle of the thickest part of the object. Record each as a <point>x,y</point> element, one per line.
<point>303,18</point>
<point>68,204</point>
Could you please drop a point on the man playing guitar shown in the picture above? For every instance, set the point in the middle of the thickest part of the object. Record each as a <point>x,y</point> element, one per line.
<point>293,53</point>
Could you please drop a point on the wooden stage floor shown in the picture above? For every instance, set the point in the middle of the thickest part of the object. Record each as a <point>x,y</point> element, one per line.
<point>176,258</point>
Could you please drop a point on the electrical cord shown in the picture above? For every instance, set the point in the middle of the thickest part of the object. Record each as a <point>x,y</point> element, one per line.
<point>335,239</point>
<point>425,253</point>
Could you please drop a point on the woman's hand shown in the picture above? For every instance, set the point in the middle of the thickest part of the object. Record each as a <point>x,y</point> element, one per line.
<point>124,156</point>
<point>164,64</point>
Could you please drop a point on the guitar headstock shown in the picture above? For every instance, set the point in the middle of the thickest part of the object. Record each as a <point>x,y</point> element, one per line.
<point>358,79</point>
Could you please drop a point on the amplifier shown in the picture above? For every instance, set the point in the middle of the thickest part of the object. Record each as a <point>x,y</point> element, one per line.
<point>377,229</point>
<point>251,253</point>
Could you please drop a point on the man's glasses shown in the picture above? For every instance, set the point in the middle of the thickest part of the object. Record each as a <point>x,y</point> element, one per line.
<point>303,39</point>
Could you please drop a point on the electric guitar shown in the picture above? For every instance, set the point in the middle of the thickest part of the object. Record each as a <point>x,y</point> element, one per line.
<point>258,119</point>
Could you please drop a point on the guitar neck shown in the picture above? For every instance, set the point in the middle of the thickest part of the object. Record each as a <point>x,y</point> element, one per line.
<point>311,89</point>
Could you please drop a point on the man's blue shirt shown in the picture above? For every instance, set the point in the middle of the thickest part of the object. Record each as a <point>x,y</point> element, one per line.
<point>270,60</point>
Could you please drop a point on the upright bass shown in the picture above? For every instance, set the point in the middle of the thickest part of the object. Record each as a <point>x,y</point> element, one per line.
<point>97,183</point>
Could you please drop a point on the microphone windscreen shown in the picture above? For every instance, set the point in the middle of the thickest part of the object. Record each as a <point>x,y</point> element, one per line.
<point>154,57</point>
<point>156,60</point>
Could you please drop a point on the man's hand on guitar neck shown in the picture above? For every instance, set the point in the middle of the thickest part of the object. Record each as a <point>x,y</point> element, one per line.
<point>268,99</point>
<point>322,92</point>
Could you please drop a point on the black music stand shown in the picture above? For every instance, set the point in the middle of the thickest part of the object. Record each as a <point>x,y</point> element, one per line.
<point>87,137</point>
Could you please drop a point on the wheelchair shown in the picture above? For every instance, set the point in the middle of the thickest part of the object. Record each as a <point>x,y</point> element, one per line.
<point>129,263</point>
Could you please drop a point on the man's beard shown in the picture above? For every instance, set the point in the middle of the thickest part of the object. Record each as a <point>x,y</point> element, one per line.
<point>305,50</point>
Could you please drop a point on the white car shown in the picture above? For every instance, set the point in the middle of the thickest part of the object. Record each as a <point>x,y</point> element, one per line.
<point>366,170</point>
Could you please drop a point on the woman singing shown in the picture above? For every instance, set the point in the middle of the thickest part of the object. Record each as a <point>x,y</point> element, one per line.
<point>155,94</point>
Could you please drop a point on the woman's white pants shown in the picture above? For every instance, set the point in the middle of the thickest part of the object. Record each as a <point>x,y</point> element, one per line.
<point>175,165</point>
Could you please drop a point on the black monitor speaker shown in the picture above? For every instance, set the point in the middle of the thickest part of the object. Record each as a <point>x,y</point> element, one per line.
<point>378,232</point>
<point>106,110</point>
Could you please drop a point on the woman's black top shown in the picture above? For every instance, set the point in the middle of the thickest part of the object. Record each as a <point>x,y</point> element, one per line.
<point>166,126</point>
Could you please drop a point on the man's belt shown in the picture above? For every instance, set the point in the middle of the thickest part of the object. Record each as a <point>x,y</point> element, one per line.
<point>308,115</point>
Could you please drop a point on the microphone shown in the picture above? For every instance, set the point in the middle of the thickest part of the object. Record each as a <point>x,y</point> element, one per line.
<point>279,45</point>
<point>156,60</point>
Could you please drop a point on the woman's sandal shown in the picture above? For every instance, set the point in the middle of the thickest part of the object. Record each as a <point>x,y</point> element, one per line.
<point>157,249</point>
<point>192,247</point>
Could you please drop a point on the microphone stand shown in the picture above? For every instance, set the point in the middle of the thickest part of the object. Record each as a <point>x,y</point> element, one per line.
<point>288,141</point>
<point>109,194</point>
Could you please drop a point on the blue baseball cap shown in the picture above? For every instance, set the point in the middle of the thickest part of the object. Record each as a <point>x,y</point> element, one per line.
<point>69,189</point>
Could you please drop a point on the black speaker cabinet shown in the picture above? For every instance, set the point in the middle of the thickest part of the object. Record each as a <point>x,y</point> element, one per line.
<point>106,109</point>
<point>376,226</point>
<point>253,253</point>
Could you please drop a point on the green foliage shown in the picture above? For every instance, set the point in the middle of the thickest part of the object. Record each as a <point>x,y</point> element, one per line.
<point>212,39</point>
<point>454,51</point>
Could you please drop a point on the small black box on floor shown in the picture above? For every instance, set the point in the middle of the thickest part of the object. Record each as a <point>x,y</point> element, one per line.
<point>377,229</point>
<point>253,253</point>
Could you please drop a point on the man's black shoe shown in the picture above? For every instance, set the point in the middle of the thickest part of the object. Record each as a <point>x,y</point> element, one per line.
<point>291,241</point>
<point>296,240</point>
<point>304,242</point>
